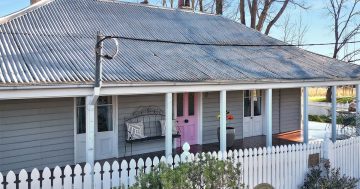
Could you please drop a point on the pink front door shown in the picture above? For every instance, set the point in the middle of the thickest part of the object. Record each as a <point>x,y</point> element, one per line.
<point>186,118</point>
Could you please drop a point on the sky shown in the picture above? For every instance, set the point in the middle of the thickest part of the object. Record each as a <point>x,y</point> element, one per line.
<point>316,19</point>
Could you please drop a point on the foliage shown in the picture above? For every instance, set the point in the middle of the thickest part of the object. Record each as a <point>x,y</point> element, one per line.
<point>320,118</point>
<point>341,100</point>
<point>327,119</point>
<point>328,179</point>
<point>206,172</point>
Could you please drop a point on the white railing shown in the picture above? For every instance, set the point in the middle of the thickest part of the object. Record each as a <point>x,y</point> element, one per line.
<point>281,166</point>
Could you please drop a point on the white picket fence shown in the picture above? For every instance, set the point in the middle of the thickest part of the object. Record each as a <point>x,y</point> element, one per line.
<point>281,166</point>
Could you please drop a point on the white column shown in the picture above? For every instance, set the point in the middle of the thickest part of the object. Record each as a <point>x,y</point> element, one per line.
<point>357,107</point>
<point>200,117</point>
<point>90,131</point>
<point>333,113</point>
<point>268,117</point>
<point>223,121</point>
<point>306,115</point>
<point>168,124</point>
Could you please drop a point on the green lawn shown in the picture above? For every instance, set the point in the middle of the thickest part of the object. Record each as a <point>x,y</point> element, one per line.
<point>342,100</point>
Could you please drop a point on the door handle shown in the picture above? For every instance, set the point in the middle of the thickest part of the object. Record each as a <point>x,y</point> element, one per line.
<point>186,121</point>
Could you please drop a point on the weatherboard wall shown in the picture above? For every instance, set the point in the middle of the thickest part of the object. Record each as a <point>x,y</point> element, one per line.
<point>36,133</point>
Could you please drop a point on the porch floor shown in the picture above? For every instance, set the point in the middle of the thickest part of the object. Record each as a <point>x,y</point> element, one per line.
<point>249,142</point>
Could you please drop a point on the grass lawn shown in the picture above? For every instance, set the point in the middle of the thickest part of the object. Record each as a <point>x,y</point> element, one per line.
<point>342,100</point>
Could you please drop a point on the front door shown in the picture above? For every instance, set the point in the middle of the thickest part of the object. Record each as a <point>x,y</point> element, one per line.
<point>252,122</point>
<point>105,129</point>
<point>186,118</point>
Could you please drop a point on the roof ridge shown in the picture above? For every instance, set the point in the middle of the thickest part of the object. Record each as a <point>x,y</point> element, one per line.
<point>23,11</point>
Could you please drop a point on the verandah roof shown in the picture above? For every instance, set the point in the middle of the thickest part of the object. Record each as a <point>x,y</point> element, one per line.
<point>54,44</point>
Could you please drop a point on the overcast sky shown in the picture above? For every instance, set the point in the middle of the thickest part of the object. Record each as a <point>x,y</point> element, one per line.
<point>318,22</point>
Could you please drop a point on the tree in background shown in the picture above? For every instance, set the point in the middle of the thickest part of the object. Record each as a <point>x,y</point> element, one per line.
<point>346,25</point>
<point>293,32</point>
<point>263,14</point>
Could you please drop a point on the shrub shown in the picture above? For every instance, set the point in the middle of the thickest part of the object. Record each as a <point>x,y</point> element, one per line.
<point>328,179</point>
<point>206,172</point>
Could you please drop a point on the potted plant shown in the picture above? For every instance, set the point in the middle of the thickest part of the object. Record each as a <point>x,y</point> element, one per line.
<point>230,131</point>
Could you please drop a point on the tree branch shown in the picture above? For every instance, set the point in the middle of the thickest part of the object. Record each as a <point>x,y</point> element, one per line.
<point>272,22</point>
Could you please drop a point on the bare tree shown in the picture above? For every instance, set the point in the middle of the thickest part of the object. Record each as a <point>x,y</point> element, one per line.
<point>293,32</point>
<point>346,25</point>
<point>265,13</point>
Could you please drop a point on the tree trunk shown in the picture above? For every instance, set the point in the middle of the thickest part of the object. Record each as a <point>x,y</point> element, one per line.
<point>328,94</point>
<point>219,7</point>
<point>263,15</point>
<point>253,13</point>
<point>242,12</point>
<point>201,7</point>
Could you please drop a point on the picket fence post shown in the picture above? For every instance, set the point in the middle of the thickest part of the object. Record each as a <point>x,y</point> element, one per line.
<point>185,156</point>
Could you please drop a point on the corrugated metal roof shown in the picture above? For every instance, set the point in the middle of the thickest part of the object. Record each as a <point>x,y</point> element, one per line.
<point>54,44</point>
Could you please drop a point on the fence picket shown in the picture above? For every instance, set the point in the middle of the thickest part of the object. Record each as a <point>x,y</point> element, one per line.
<point>23,176</point>
<point>87,176</point>
<point>57,181</point>
<point>77,177</point>
<point>115,176</point>
<point>246,166</point>
<point>170,161</point>
<point>148,164</point>
<point>46,174</point>
<point>106,176</point>
<point>97,175</point>
<point>140,165</point>
<point>1,181</point>
<point>67,177</point>
<point>259,169</point>
<point>10,179</point>
<point>251,168</point>
<point>156,161</point>
<point>241,161</point>
<point>132,172</point>
<point>124,174</point>
<point>176,160</point>
<point>35,176</point>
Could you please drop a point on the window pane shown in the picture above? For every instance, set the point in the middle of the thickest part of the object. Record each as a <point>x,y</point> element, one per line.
<point>180,105</point>
<point>81,120</point>
<point>191,104</point>
<point>105,118</point>
<point>104,100</point>
<point>256,93</point>
<point>247,107</point>
<point>80,101</point>
<point>247,94</point>
<point>257,106</point>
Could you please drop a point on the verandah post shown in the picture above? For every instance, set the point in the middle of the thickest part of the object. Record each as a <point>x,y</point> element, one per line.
<point>223,121</point>
<point>306,115</point>
<point>168,124</point>
<point>357,108</point>
<point>333,113</point>
<point>268,122</point>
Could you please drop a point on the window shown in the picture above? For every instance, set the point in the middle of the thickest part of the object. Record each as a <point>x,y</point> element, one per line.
<point>257,106</point>
<point>191,107</point>
<point>247,107</point>
<point>104,114</point>
<point>80,115</point>
<point>257,102</point>
<point>180,105</point>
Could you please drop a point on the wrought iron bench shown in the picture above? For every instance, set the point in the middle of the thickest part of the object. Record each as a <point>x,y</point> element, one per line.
<point>151,117</point>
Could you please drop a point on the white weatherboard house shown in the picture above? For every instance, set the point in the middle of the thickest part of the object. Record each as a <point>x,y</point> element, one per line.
<point>172,65</point>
